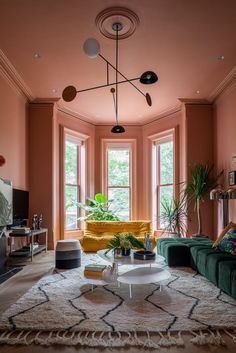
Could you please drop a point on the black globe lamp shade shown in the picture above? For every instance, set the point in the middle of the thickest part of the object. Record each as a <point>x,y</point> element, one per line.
<point>118,129</point>
<point>148,77</point>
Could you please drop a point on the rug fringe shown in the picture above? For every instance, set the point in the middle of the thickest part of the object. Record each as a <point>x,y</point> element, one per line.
<point>114,339</point>
<point>207,338</point>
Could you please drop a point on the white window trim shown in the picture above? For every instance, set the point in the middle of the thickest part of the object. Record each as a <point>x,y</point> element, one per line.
<point>119,143</point>
<point>158,138</point>
<point>83,140</point>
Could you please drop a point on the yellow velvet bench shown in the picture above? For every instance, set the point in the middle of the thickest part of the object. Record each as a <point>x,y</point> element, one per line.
<point>97,234</point>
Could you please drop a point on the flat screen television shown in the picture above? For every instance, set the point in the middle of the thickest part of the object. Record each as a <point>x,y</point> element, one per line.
<point>6,209</point>
<point>20,204</point>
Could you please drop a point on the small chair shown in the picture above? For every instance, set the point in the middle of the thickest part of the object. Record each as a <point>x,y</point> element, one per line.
<point>68,254</point>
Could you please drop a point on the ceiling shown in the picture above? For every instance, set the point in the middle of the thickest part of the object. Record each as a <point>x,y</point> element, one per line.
<point>180,40</point>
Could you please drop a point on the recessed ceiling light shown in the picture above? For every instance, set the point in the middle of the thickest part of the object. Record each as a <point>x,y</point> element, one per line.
<point>37,56</point>
<point>198,92</point>
<point>221,57</point>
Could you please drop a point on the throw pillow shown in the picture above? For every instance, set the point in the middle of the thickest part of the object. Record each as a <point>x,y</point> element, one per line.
<point>228,243</point>
<point>222,234</point>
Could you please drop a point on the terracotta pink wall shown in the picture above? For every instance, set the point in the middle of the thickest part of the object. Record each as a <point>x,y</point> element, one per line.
<point>13,135</point>
<point>225,139</point>
<point>199,149</point>
<point>41,116</point>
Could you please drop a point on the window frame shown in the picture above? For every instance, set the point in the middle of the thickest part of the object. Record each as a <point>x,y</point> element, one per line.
<point>157,140</point>
<point>84,181</point>
<point>79,144</point>
<point>119,144</point>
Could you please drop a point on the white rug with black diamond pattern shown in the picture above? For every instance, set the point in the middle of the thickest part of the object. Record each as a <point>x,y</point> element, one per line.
<point>64,303</point>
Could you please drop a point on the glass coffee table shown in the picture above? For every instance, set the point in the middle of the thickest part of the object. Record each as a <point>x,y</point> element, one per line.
<point>142,271</point>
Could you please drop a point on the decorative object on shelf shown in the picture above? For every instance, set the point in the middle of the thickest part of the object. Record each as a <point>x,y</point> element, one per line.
<point>174,215</point>
<point>223,196</point>
<point>200,183</point>
<point>39,221</point>
<point>34,222</point>
<point>20,230</point>
<point>144,255</point>
<point>111,22</point>
<point>232,178</point>
<point>98,209</point>
<point>125,242</point>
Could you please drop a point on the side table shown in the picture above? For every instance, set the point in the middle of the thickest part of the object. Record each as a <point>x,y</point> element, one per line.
<point>29,236</point>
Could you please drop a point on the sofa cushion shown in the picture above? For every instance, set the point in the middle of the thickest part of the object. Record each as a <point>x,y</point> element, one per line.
<point>222,234</point>
<point>176,254</point>
<point>227,277</point>
<point>212,265</point>
<point>202,261</point>
<point>228,243</point>
<point>93,244</point>
<point>233,284</point>
<point>161,243</point>
<point>97,228</point>
<point>194,250</point>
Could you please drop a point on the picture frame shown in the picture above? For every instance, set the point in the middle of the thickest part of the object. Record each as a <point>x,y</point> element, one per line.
<point>232,178</point>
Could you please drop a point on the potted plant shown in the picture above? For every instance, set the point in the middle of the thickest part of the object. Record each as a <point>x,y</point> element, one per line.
<point>173,216</point>
<point>98,209</point>
<point>199,185</point>
<point>125,242</point>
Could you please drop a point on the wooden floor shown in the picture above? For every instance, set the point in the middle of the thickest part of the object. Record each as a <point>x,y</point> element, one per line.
<point>43,265</point>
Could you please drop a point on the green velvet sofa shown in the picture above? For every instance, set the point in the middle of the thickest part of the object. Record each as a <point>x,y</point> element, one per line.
<point>217,266</point>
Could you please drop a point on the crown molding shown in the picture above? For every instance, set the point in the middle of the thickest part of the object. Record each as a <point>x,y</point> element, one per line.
<point>194,101</point>
<point>45,100</point>
<point>8,71</point>
<point>59,107</point>
<point>227,82</point>
<point>164,114</point>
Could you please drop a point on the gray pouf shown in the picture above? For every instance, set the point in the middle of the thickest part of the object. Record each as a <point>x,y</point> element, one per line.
<point>68,254</point>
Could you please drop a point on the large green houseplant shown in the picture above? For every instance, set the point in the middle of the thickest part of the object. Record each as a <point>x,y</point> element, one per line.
<point>200,183</point>
<point>98,209</point>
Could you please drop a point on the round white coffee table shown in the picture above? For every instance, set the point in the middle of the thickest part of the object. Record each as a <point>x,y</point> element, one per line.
<point>143,275</point>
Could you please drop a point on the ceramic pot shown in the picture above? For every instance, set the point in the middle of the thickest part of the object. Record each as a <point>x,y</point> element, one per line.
<point>125,252</point>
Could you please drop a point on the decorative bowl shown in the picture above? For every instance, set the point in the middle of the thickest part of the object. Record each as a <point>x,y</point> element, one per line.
<point>144,255</point>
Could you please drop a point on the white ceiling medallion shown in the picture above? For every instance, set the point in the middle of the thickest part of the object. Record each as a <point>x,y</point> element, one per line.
<point>108,17</point>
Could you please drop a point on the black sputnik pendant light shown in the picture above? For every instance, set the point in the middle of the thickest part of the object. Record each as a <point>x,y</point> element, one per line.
<point>92,49</point>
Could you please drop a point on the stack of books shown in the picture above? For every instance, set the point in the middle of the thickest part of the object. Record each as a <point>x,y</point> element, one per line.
<point>20,230</point>
<point>94,270</point>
